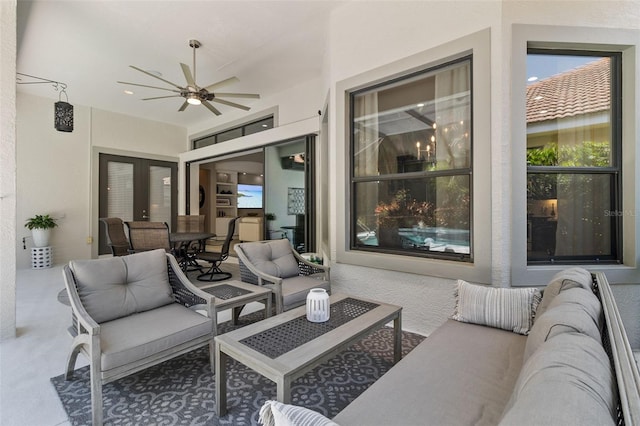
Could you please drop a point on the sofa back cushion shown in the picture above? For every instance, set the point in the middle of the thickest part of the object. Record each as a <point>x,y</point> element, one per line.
<point>272,257</point>
<point>564,280</point>
<point>506,308</point>
<point>567,381</point>
<point>115,287</point>
<point>575,310</point>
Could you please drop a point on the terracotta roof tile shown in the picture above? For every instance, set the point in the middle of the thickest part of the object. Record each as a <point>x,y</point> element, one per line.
<point>582,90</point>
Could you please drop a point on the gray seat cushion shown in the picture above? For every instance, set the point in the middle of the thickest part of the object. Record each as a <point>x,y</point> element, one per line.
<point>273,257</point>
<point>138,336</point>
<point>115,287</point>
<point>295,290</point>
<point>462,374</point>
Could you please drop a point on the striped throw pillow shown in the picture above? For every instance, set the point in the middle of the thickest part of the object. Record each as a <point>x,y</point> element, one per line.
<point>274,413</point>
<point>510,309</point>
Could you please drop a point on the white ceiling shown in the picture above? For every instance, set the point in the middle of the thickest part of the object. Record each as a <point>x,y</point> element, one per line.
<point>89,45</point>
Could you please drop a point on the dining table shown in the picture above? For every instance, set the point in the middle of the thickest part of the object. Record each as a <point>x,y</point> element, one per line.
<point>187,245</point>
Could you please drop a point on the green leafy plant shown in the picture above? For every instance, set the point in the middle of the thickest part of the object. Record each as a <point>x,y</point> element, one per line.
<point>41,222</point>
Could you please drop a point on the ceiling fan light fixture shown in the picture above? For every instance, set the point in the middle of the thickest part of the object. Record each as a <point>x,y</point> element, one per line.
<point>193,99</point>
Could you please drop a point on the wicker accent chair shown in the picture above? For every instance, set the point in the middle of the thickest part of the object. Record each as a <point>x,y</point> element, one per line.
<point>275,264</point>
<point>145,236</point>
<point>116,238</point>
<point>216,258</point>
<point>133,312</point>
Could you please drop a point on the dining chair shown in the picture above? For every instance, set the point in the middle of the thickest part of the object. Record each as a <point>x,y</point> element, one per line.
<point>190,223</point>
<point>145,236</point>
<point>116,238</point>
<point>216,258</point>
<point>189,250</point>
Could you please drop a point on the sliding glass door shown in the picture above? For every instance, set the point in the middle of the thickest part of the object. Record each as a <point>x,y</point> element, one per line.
<point>289,192</point>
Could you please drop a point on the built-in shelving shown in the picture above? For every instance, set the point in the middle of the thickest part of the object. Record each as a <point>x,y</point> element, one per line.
<point>226,206</point>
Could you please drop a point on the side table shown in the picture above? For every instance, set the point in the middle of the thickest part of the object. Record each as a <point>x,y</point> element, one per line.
<point>235,294</point>
<point>41,257</point>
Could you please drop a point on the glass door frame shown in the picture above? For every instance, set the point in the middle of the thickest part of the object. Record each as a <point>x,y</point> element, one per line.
<point>141,168</point>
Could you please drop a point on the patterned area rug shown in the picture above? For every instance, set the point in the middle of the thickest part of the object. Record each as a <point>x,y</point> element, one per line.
<point>182,391</point>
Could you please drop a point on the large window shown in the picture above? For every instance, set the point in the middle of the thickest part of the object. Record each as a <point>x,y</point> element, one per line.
<point>411,171</point>
<point>573,157</point>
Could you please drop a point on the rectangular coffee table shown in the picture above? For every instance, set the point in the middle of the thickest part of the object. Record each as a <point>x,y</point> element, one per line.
<point>235,294</point>
<point>284,347</point>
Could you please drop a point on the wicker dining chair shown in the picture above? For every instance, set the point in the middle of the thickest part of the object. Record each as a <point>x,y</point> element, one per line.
<point>145,236</point>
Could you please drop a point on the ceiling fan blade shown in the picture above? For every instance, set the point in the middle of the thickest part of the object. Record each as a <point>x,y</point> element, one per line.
<point>237,95</point>
<point>184,106</point>
<point>160,97</point>
<point>211,108</point>
<point>187,75</point>
<point>231,104</point>
<point>151,87</point>
<point>155,76</point>
<point>214,86</point>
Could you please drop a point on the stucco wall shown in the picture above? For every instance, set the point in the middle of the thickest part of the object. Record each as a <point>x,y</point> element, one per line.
<point>7,169</point>
<point>364,36</point>
<point>57,173</point>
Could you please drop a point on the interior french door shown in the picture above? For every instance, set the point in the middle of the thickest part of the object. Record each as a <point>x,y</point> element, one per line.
<point>134,188</point>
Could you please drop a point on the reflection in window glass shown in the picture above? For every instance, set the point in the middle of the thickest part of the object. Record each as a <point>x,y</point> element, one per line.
<point>411,170</point>
<point>572,167</point>
<point>430,215</point>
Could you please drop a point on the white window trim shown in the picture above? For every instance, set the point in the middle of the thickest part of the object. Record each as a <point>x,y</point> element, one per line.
<point>479,45</point>
<point>597,39</point>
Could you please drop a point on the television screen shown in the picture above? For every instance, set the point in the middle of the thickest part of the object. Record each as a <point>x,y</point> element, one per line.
<point>249,196</point>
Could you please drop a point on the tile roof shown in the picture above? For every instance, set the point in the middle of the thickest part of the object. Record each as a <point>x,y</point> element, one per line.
<point>582,90</point>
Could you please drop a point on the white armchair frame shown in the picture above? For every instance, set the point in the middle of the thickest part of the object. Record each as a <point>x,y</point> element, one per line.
<point>86,333</point>
<point>251,274</point>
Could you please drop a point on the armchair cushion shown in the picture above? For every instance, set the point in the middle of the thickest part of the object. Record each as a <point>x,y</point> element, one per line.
<point>136,337</point>
<point>120,286</point>
<point>297,288</point>
<point>273,257</point>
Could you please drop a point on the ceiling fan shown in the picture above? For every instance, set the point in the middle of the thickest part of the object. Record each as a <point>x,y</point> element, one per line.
<point>194,94</point>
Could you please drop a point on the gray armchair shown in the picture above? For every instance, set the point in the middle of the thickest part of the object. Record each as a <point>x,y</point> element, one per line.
<point>133,312</point>
<point>276,265</point>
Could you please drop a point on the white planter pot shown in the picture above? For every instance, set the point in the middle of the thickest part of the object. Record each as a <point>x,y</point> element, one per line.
<point>41,237</point>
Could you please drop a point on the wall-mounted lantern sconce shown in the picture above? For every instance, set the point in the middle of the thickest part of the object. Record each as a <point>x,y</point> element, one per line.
<point>63,110</point>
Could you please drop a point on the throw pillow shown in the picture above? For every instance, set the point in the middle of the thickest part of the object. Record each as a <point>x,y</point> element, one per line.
<point>510,309</point>
<point>274,413</point>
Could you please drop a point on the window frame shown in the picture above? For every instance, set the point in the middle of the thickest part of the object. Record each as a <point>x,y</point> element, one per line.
<point>624,41</point>
<point>410,176</point>
<point>243,132</point>
<point>480,271</point>
<point>614,171</point>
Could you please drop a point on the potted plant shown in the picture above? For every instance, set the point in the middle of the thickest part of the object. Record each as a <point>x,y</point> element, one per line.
<point>269,217</point>
<point>40,226</point>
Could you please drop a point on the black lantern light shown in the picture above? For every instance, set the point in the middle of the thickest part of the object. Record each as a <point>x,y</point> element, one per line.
<point>63,114</point>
